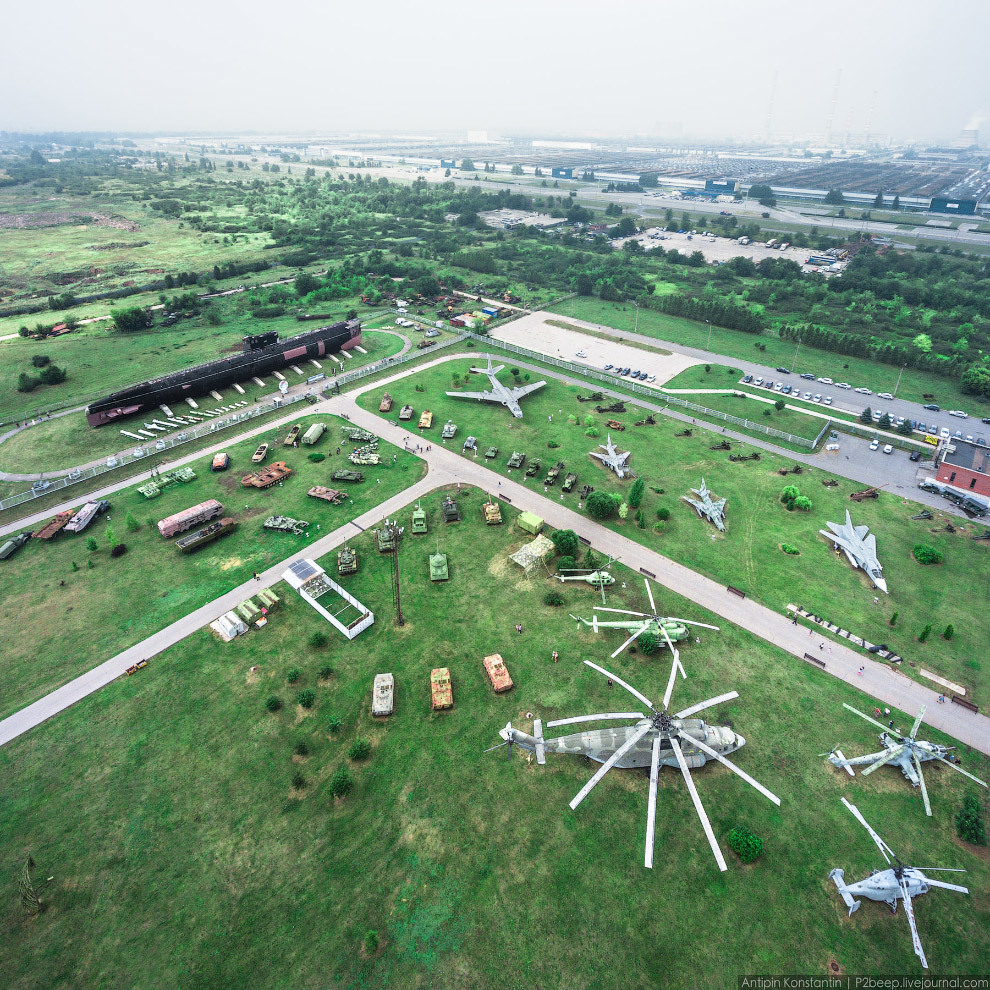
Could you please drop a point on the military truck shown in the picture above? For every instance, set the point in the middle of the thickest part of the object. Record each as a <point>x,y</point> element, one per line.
<point>419,520</point>
<point>533,470</point>
<point>347,560</point>
<point>386,403</point>
<point>438,567</point>
<point>568,482</point>
<point>268,476</point>
<point>425,419</point>
<point>551,477</point>
<point>179,522</point>
<point>13,545</point>
<point>449,430</point>
<point>216,529</point>
<point>286,524</point>
<point>346,475</point>
<point>441,692</point>
<point>516,460</point>
<point>492,513</point>
<point>313,434</point>
<point>386,539</point>
<point>292,440</point>
<point>406,412</point>
<point>470,444</point>
<point>491,453</point>
<point>450,511</point>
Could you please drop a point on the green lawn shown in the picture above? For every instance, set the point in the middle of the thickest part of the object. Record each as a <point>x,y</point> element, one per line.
<point>70,620</point>
<point>748,556</point>
<point>182,854</point>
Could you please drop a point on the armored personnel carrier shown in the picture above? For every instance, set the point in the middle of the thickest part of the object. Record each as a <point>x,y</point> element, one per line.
<point>492,513</point>
<point>551,477</point>
<point>216,529</point>
<point>260,454</point>
<point>406,412</point>
<point>497,673</point>
<point>386,539</point>
<point>292,440</point>
<point>441,692</point>
<point>345,474</point>
<point>491,452</point>
<point>357,435</point>
<point>386,403</point>
<point>364,457</point>
<point>221,461</point>
<point>470,444</point>
<point>568,482</point>
<point>533,470</point>
<point>330,495</point>
<point>419,520</point>
<point>347,560</point>
<point>268,476</point>
<point>438,567</point>
<point>13,545</point>
<point>286,524</point>
<point>425,419</point>
<point>449,430</point>
<point>516,460</point>
<point>383,695</point>
<point>450,511</point>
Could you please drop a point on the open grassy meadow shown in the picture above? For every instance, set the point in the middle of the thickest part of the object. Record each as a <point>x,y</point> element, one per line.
<point>71,616</point>
<point>186,851</point>
<point>749,554</point>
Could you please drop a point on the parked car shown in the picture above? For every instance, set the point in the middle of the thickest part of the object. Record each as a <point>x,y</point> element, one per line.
<point>959,413</point>
<point>786,390</point>
<point>784,371</point>
<point>934,408</point>
<point>807,395</point>
<point>809,376</point>
<point>818,397</point>
<point>779,387</point>
<point>652,378</point>
<point>635,374</point>
<point>884,395</point>
<point>874,444</point>
<point>827,401</point>
<point>825,381</point>
<point>747,379</point>
<point>608,367</point>
<point>887,449</point>
<point>757,381</point>
<point>944,433</point>
<point>915,455</point>
<point>864,391</point>
<point>843,385</point>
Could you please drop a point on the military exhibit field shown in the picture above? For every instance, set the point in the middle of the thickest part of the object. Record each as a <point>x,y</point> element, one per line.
<point>77,606</point>
<point>750,554</point>
<point>194,837</point>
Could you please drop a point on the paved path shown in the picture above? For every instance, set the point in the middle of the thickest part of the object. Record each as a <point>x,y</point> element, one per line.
<point>880,682</point>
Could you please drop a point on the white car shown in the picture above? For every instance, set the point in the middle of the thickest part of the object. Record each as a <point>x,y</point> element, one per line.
<point>884,395</point>
<point>888,449</point>
<point>807,395</point>
<point>864,391</point>
<point>581,354</point>
<point>959,413</point>
<point>827,401</point>
<point>818,397</point>
<point>875,443</point>
<point>843,385</point>
<point>944,433</point>
<point>825,381</point>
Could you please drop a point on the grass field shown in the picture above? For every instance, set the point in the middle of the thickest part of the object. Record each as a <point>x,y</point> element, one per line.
<point>70,620</point>
<point>748,555</point>
<point>735,343</point>
<point>183,853</point>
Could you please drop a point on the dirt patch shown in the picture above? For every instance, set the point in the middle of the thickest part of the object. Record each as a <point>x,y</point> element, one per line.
<point>59,218</point>
<point>253,675</point>
<point>304,713</point>
<point>499,566</point>
<point>228,564</point>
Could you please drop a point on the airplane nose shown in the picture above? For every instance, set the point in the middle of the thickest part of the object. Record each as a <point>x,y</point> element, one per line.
<point>740,741</point>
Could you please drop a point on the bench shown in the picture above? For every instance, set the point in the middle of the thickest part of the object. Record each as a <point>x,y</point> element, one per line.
<point>134,668</point>
<point>584,540</point>
<point>650,574</point>
<point>963,703</point>
<point>735,591</point>
<point>505,498</point>
<point>817,661</point>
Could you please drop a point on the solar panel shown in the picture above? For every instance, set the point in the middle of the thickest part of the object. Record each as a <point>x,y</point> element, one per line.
<point>304,569</point>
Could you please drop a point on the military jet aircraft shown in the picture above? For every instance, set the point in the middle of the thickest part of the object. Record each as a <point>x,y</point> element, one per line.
<point>905,752</point>
<point>898,883</point>
<point>612,459</point>
<point>858,547</point>
<point>708,508</point>
<point>502,394</point>
<point>657,738</point>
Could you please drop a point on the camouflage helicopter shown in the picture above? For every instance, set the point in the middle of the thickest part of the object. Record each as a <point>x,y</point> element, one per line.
<point>656,739</point>
<point>666,628</point>
<point>597,577</point>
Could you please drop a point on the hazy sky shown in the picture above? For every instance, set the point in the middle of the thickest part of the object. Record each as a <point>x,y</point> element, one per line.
<point>910,69</point>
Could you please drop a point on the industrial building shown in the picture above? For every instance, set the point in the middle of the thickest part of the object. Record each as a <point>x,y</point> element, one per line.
<point>966,465</point>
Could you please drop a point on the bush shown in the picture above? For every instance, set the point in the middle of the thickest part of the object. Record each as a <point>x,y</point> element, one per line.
<point>663,513</point>
<point>307,698</point>
<point>318,640</point>
<point>552,444</point>
<point>802,503</point>
<point>592,431</point>
<point>565,563</point>
<point>924,554</point>
<point>779,405</point>
<point>40,360</point>
<point>360,749</point>
<point>925,633</point>
<point>53,375</point>
<point>274,703</point>
<point>371,943</point>
<point>970,826</point>
<point>91,543</point>
<point>565,542</point>
<point>623,510</point>
<point>893,618</point>
<point>601,505</point>
<point>293,675</point>
<point>787,548</point>
<point>789,494</point>
<point>301,749</point>
<point>298,780</point>
<point>553,598</point>
<point>747,846</point>
<point>316,457</point>
<point>334,724</point>
<point>25,383</point>
<point>131,523</point>
<point>949,631</point>
<point>118,550</point>
<point>636,493</point>
<point>326,672</point>
<point>340,783</point>
<point>649,643</point>
<point>767,412</point>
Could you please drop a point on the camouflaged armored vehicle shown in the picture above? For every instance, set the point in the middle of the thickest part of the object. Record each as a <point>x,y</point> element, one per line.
<point>441,691</point>
<point>419,520</point>
<point>425,420</point>
<point>13,545</point>
<point>491,452</point>
<point>292,440</point>
<point>364,457</point>
<point>330,495</point>
<point>533,470</point>
<point>286,524</point>
<point>492,513</point>
<point>516,460</point>
<point>450,511</point>
<point>383,695</point>
<point>356,435</point>
<point>470,444</point>
<point>386,539</point>
<point>569,482</point>
<point>553,472</point>
<point>386,403</point>
<point>449,430</point>
<point>347,560</point>
<point>343,474</point>
<point>497,673</point>
<point>438,567</point>
<point>216,529</point>
<point>406,412</point>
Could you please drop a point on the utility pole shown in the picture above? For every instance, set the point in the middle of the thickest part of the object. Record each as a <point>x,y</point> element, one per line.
<point>708,346</point>
<point>636,306</point>
<point>794,362</point>
<point>899,373</point>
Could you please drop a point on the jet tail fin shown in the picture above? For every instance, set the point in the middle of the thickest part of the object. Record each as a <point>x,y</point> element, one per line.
<point>851,902</point>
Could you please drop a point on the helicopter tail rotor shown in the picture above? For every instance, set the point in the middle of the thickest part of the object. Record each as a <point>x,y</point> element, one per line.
<point>850,901</point>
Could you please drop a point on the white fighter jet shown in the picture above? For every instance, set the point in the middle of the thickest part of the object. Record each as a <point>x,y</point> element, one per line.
<point>612,459</point>
<point>508,397</point>
<point>860,548</point>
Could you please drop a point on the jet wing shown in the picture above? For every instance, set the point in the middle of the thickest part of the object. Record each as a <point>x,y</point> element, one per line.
<point>518,393</point>
<point>485,396</point>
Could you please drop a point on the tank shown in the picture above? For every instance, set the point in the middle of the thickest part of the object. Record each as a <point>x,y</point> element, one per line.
<point>450,511</point>
<point>406,412</point>
<point>386,403</point>
<point>497,673</point>
<point>553,472</point>
<point>364,457</point>
<point>419,520</point>
<point>345,475</point>
<point>292,438</point>
<point>449,430</point>
<point>13,545</point>
<point>438,566</point>
<point>470,443</point>
<point>187,518</point>
<point>286,524</point>
<point>216,529</point>
<point>383,695</point>
<point>533,470</point>
<point>569,482</point>
<point>441,691</point>
<point>347,560</point>
<point>268,476</point>
<point>260,454</point>
<point>330,495</point>
<point>386,539</point>
<point>492,513</point>
<point>491,452</point>
<point>221,462</point>
<point>516,460</point>
<point>356,435</point>
<point>425,419</point>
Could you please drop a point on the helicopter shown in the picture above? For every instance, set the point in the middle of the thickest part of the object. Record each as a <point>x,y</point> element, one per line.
<point>597,577</point>
<point>897,883</point>
<point>656,739</point>
<point>905,752</point>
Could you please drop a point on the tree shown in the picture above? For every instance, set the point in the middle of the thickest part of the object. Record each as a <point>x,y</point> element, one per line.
<point>975,380</point>
<point>866,416</point>
<point>584,284</point>
<point>26,382</point>
<point>111,536</point>
<point>925,554</point>
<point>905,429</point>
<point>624,228</point>
<point>601,505</point>
<point>305,284</point>
<point>636,493</point>
<point>131,523</point>
<point>878,199</point>
<point>969,821</point>
<point>467,165</point>
<point>565,542</point>
<point>834,197</point>
<point>517,170</point>
<point>91,543</point>
<point>763,194</point>
<point>788,495</point>
<point>923,342</point>
<point>779,404</point>
<point>130,319</point>
<point>897,202</point>
<point>884,421</point>
<point>613,210</point>
<point>802,503</point>
<point>30,891</point>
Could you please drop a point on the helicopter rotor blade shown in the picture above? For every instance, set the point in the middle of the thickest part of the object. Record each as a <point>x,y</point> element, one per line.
<point>623,611</point>
<point>651,808</point>
<point>982,783</point>
<point>702,705</point>
<point>856,711</point>
<point>740,773</point>
<point>881,845</point>
<point>947,886</point>
<point>909,911</point>
<point>675,663</point>
<point>689,622</point>
<point>917,722</point>
<point>921,778</point>
<point>698,806</point>
<point>891,754</point>
<point>593,718</point>
<point>618,680</point>
<point>649,594</point>
<point>499,746</point>
<point>609,763</point>
<point>639,632</point>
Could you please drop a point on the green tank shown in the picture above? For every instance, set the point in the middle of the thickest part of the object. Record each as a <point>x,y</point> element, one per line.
<point>386,539</point>
<point>438,567</point>
<point>450,511</point>
<point>419,520</point>
<point>347,560</point>
<point>286,524</point>
<point>356,435</point>
<point>364,457</point>
<point>491,452</point>
<point>345,475</point>
<point>516,460</point>
<point>449,431</point>
<point>533,470</point>
<point>569,482</point>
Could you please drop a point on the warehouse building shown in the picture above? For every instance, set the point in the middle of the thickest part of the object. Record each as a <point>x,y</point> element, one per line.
<point>966,465</point>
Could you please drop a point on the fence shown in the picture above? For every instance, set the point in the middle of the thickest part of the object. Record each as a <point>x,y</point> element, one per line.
<point>650,393</point>
<point>390,363</point>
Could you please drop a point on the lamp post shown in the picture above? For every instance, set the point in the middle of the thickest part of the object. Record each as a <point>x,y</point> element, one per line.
<point>794,362</point>
<point>899,373</point>
<point>709,344</point>
<point>636,327</point>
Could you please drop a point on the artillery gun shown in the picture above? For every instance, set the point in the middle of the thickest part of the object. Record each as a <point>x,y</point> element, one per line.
<point>755,456</point>
<point>866,493</point>
<point>585,492</point>
<point>534,469</point>
<point>684,433</point>
<point>794,469</point>
<point>724,445</point>
<point>614,424</point>
<point>343,474</point>
<point>924,514</point>
<point>449,430</point>
<point>551,477</point>
<point>569,482</point>
<point>594,397</point>
<point>832,483</point>
<point>347,560</point>
<point>516,460</point>
<point>615,407</point>
<point>650,420</point>
<point>286,524</point>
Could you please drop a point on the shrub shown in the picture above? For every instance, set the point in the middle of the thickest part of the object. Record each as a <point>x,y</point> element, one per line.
<point>118,550</point>
<point>316,457</point>
<point>787,548</point>
<point>371,943</point>
<point>326,672</point>
<point>893,618</point>
<point>360,749</point>
<point>75,566</point>
<point>131,523</point>
<point>293,675</point>
<point>340,783</point>
<point>565,542</point>
<point>301,749</point>
<point>334,724</point>
<point>40,360</point>
<point>298,780</point>
<point>592,431</point>
<point>318,640</point>
<point>663,513</point>
<point>553,598</point>
<point>552,444</point>
<point>89,564</point>
<point>802,503</point>
<point>27,383</point>
<point>779,405</point>
<point>307,698</point>
<point>623,510</point>
<point>924,554</point>
<point>601,505</point>
<point>745,844</point>
<point>590,420</point>
<point>949,631</point>
<point>649,643</point>
<point>767,412</point>
<point>969,821</point>
<point>925,633</point>
<point>91,543</point>
<point>789,494</point>
<point>565,563</point>
<point>636,493</point>
<point>53,375</point>
<point>274,703</point>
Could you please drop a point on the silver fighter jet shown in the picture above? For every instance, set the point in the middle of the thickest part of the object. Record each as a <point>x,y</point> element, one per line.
<point>502,394</point>
<point>712,509</point>
<point>612,459</point>
<point>860,548</point>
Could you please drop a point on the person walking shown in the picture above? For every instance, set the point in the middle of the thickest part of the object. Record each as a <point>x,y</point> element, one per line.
<point>554,657</point>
